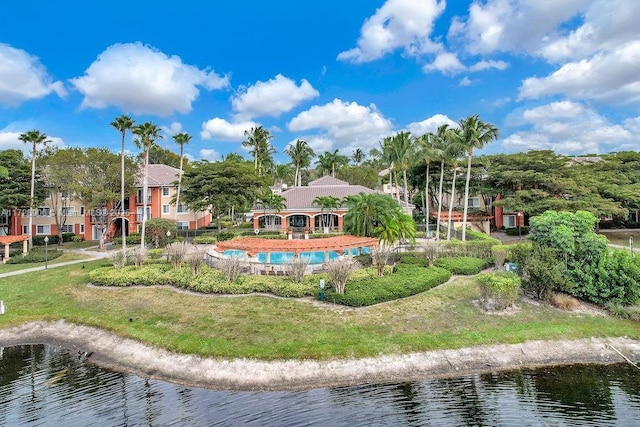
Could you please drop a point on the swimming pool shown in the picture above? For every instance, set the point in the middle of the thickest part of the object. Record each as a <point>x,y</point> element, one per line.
<point>314,257</point>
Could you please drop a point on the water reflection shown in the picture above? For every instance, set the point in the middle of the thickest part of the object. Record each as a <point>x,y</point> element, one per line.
<point>45,385</point>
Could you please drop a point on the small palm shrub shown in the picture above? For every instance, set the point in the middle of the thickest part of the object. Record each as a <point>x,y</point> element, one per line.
<point>498,290</point>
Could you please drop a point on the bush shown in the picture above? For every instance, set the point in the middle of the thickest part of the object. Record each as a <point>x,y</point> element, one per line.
<point>339,272</point>
<point>205,239</point>
<point>540,269</point>
<point>195,260</point>
<point>132,239</point>
<point>176,253</point>
<point>320,235</point>
<point>296,267</point>
<point>406,281</point>
<point>462,265</point>
<point>35,255</point>
<point>54,239</point>
<point>517,231</point>
<point>498,290</point>
<point>619,310</point>
<point>77,239</point>
<point>499,253</point>
<point>563,301</point>
<point>225,235</point>
<point>414,259</point>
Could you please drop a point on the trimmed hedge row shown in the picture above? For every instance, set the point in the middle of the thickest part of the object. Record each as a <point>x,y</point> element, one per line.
<point>463,265</point>
<point>35,255</point>
<point>408,280</point>
<point>54,239</point>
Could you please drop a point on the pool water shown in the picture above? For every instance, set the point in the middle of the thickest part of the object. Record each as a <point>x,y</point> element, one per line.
<point>315,257</point>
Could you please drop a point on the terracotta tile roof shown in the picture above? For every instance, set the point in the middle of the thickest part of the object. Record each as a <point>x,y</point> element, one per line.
<point>159,176</point>
<point>5,240</point>
<point>254,246</point>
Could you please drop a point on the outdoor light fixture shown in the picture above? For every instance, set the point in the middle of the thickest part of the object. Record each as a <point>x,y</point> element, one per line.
<point>46,252</point>
<point>321,289</point>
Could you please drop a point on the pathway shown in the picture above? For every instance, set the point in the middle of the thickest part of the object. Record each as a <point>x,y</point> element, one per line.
<point>93,254</point>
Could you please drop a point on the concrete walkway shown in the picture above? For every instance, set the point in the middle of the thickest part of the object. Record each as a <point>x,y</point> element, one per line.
<point>93,255</point>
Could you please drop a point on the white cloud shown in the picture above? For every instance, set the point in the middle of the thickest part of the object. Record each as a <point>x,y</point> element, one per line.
<point>9,140</point>
<point>430,124</point>
<point>488,64</point>
<point>398,24</point>
<point>173,129</point>
<point>209,154</point>
<point>570,128</point>
<point>608,76</point>
<point>271,98</point>
<point>23,77</point>
<point>446,63</point>
<point>346,124</point>
<point>466,81</point>
<point>221,129</point>
<point>142,80</point>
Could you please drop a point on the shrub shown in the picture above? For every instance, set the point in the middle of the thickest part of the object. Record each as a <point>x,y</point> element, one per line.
<point>517,231</point>
<point>77,239</point>
<point>339,272</point>
<point>563,301</point>
<point>414,259</point>
<point>231,268</point>
<point>138,256</point>
<point>35,255</point>
<point>296,267</point>
<point>379,258</point>
<point>132,239</point>
<point>205,239</point>
<point>541,271</point>
<point>225,235</point>
<point>118,259</point>
<point>406,281</point>
<point>498,290</point>
<point>176,252</point>
<point>499,254</point>
<point>462,265</point>
<point>619,310</point>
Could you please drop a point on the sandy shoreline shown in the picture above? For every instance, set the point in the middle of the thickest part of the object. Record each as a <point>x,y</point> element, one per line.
<point>132,356</point>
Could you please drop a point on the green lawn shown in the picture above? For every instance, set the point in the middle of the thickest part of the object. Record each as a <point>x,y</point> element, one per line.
<point>621,237</point>
<point>6,268</point>
<point>269,328</point>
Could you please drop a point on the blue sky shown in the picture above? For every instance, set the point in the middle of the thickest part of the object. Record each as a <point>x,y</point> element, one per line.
<point>561,75</point>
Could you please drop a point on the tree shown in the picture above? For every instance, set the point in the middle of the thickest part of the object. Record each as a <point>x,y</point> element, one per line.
<point>259,142</point>
<point>99,177</point>
<point>378,215</point>
<point>389,157</point>
<point>358,156</point>
<point>163,156</point>
<point>442,138</point>
<point>147,134</point>
<point>331,161</point>
<point>271,202</point>
<point>15,186</point>
<point>157,229</point>
<point>61,171</point>
<point>454,148</point>
<point>219,186</point>
<point>327,203</point>
<point>402,147</point>
<point>430,152</point>
<point>474,134</point>
<point>301,155</point>
<point>123,124</point>
<point>181,139</point>
<point>35,138</point>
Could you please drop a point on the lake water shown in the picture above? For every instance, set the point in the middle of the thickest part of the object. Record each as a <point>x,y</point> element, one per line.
<point>49,386</point>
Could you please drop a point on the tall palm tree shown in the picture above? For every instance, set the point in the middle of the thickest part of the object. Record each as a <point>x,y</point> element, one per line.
<point>475,134</point>
<point>122,124</point>
<point>455,149</point>
<point>147,134</point>
<point>301,155</point>
<point>273,202</point>
<point>328,203</point>
<point>430,152</point>
<point>402,144</point>
<point>180,138</point>
<point>358,156</point>
<point>331,161</point>
<point>388,156</point>
<point>442,138</point>
<point>259,142</point>
<point>35,138</point>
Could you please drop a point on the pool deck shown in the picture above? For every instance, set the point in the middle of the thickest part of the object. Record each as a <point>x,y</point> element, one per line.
<point>252,245</point>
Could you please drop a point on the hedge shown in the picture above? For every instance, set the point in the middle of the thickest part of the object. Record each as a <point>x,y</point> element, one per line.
<point>205,239</point>
<point>463,265</point>
<point>499,290</point>
<point>54,239</point>
<point>35,255</point>
<point>408,280</point>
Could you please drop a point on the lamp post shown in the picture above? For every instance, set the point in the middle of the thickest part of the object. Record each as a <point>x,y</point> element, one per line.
<point>321,289</point>
<point>631,245</point>
<point>519,227</point>
<point>46,252</point>
<point>169,236</point>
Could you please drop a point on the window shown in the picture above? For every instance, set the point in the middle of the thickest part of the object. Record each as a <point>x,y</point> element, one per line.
<point>67,228</point>
<point>82,210</point>
<point>165,191</point>
<point>184,225</point>
<point>509,221</point>
<point>25,229</point>
<point>139,196</point>
<point>474,202</point>
<point>183,208</point>
<point>165,209</point>
<point>140,211</point>
<point>81,228</point>
<point>43,229</point>
<point>68,211</point>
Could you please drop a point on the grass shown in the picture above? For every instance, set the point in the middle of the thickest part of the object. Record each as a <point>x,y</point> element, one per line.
<point>7,268</point>
<point>269,328</point>
<point>621,237</point>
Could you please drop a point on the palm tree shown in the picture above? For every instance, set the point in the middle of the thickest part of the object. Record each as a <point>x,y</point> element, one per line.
<point>122,124</point>
<point>455,149</point>
<point>475,134</point>
<point>147,134</point>
<point>358,156</point>
<point>388,156</point>
<point>301,155</point>
<point>328,203</point>
<point>180,138</point>
<point>259,142</point>
<point>442,137</point>
<point>430,152</point>
<point>35,138</point>
<point>402,150</point>
<point>274,202</point>
<point>331,162</point>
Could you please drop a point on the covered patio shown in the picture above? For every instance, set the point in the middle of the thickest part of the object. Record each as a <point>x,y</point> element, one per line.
<point>8,240</point>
